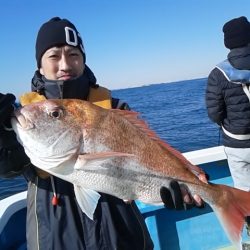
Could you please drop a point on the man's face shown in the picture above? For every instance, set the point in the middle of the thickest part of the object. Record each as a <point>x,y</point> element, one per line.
<point>62,63</point>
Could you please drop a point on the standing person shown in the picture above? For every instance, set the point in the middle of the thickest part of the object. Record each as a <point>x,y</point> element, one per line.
<point>54,219</point>
<point>228,100</point>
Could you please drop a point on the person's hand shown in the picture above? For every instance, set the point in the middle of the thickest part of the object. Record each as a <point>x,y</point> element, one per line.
<point>12,155</point>
<point>6,107</point>
<point>178,197</point>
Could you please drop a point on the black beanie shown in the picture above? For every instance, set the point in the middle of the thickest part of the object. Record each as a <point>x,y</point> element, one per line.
<point>57,32</point>
<point>236,33</point>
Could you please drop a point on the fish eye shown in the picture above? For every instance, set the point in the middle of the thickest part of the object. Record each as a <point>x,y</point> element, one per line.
<point>58,113</point>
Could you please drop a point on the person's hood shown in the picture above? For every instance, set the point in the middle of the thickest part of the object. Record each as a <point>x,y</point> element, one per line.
<point>240,57</point>
<point>73,88</point>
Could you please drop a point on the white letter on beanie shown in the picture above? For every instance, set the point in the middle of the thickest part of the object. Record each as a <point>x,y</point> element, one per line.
<point>67,33</point>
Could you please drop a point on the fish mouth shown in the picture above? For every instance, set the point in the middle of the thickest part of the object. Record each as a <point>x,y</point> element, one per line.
<point>21,121</point>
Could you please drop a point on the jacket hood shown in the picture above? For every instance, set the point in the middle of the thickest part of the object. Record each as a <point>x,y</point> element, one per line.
<point>240,57</point>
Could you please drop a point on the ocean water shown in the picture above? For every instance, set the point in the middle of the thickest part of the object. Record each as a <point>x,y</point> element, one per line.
<point>175,111</point>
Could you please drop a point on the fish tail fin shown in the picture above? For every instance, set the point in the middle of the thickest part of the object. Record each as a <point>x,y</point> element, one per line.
<point>233,212</point>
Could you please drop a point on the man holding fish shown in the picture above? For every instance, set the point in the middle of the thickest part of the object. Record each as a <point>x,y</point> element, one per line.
<point>55,217</point>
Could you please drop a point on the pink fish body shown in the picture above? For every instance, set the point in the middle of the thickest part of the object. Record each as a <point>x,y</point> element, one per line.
<point>114,152</point>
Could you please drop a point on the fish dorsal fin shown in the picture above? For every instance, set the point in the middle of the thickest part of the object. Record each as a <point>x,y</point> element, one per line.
<point>133,117</point>
<point>193,168</point>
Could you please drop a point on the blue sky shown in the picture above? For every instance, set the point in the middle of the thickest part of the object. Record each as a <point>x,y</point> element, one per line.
<point>128,42</point>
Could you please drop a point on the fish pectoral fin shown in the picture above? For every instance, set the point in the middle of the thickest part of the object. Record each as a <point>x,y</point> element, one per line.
<point>87,200</point>
<point>93,161</point>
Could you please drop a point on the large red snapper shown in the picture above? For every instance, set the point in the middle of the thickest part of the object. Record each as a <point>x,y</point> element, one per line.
<point>114,152</point>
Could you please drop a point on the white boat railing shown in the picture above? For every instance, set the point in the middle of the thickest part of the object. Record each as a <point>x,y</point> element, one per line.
<point>206,155</point>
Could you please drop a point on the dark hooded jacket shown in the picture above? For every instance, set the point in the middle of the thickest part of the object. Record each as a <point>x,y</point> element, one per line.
<point>116,224</point>
<point>227,103</point>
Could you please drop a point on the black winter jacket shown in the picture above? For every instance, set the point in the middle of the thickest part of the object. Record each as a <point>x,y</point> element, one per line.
<point>116,225</point>
<point>227,104</point>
